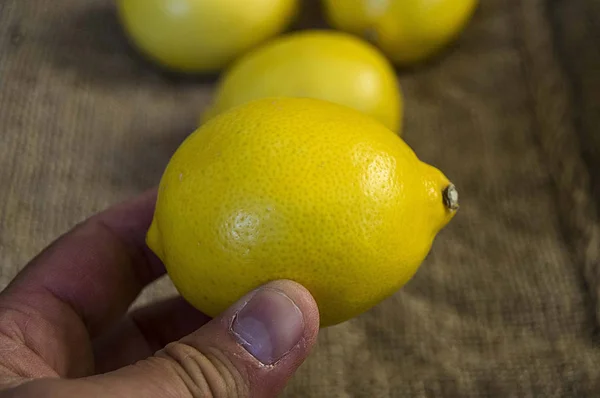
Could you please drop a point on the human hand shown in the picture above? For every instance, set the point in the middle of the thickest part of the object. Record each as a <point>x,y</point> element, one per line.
<point>64,331</point>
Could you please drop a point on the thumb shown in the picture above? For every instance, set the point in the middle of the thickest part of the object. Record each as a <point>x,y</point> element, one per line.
<point>251,350</point>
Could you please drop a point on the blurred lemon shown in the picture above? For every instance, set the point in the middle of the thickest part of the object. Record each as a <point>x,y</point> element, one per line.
<point>328,65</point>
<point>300,189</point>
<point>408,31</point>
<point>202,35</point>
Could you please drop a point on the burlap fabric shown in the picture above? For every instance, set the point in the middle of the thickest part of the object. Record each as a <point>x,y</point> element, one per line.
<point>506,304</point>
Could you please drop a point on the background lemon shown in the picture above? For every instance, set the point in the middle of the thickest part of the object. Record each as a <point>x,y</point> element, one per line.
<point>327,65</point>
<point>202,35</point>
<point>300,189</point>
<point>408,31</point>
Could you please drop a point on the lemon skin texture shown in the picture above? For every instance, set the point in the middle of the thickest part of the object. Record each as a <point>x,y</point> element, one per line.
<point>328,65</point>
<point>201,36</point>
<point>299,189</point>
<point>408,31</point>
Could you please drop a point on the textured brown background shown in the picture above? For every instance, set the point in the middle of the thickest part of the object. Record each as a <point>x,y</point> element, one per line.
<point>507,303</point>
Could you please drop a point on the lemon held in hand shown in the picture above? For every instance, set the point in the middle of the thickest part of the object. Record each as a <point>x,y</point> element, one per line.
<point>196,36</point>
<point>408,31</point>
<point>298,189</point>
<point>326,65</point>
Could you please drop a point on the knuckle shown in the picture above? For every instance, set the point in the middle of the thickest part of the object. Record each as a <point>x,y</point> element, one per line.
<point>206,373</point>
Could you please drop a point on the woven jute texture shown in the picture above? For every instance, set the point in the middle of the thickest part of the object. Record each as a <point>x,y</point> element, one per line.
<point>506,305</point>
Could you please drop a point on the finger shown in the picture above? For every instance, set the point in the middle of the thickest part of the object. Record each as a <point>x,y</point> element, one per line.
<point>82,283</point>
<point>145,331</point>
<point>251,350</point>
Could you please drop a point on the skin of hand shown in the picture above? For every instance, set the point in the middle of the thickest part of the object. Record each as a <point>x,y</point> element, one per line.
<point>65,328</point>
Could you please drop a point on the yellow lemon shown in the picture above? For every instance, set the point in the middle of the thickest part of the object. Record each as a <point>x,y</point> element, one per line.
<point>328,65</point>
<point>408,31</point>
<point>300,189</point>
<point>195,36</point>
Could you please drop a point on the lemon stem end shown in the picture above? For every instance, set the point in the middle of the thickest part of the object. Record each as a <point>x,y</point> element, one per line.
<point>450,196</point>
